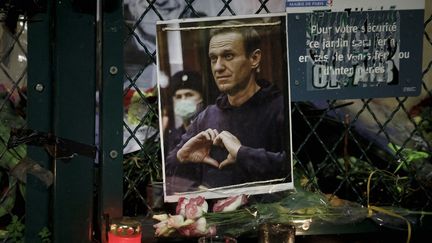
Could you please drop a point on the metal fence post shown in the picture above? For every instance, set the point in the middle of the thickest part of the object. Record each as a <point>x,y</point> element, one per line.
<point>74,119</point>
<point>66,36</point>
<point>39,113</point>
<point>110,88</point>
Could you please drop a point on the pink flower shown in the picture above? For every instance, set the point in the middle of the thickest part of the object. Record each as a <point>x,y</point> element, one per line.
<point>191,208</point>
<point>168,225</point>
<point>211,230</point>
<point>160,217</point>
<point>162,228</point>
<point>188,221</point>
<point>175,221</point>
<point>230,204</point>
<point>195,208</point>
<point>199,228</point>
<point>181,205</point>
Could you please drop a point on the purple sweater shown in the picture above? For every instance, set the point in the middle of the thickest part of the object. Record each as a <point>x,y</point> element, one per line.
<point>258,124</point>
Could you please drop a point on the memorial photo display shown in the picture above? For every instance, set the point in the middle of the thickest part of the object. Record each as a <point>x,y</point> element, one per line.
<point>224,106</point>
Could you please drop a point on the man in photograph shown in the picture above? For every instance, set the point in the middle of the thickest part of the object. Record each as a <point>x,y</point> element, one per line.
<point>240,138</point>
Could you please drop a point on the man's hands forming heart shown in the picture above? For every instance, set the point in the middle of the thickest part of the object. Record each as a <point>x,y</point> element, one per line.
<point>197,149</point>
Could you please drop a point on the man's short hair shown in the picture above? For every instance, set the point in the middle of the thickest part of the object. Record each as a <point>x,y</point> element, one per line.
<point>251,37</point>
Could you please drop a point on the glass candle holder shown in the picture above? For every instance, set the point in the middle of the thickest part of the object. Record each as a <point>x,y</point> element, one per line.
<point>125,230</point>
<point>276,233</point>
<point>216,239</point>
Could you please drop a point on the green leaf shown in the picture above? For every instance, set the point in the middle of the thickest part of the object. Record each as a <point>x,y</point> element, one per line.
<point>408,156</point>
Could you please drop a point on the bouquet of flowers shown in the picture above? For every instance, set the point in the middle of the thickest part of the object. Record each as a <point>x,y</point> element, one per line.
<point>190,219</point>
<point>234,216</point>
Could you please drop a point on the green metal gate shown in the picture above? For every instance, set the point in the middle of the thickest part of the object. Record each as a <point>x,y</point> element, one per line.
<point>75,93</point>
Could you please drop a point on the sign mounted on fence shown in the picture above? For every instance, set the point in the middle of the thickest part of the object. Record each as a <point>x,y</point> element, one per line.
<point>342,52</point>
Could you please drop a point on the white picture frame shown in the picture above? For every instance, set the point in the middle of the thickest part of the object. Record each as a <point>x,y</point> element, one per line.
<point>182,46</point>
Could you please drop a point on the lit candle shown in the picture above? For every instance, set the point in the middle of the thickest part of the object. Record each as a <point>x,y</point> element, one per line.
<point>124,230</point>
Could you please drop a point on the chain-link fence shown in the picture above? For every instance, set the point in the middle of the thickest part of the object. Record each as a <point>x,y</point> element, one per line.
<point>337,143</point>
<point>13,80</point>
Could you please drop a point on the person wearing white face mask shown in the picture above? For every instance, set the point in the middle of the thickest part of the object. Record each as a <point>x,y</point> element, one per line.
<point>186,104</point>
<point>187,100</point>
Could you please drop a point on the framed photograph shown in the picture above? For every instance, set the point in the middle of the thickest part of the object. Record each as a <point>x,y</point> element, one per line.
<point>224,106</point>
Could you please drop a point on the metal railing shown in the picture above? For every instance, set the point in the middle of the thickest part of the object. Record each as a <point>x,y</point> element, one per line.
<point>337,143</point>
